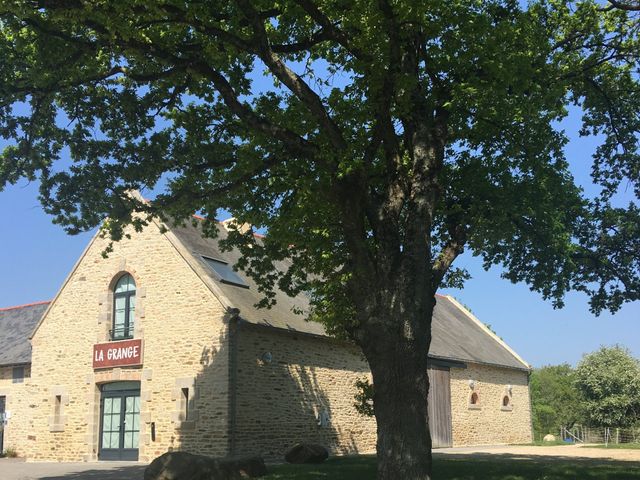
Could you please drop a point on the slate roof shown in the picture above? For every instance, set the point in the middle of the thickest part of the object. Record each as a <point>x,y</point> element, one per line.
<point>279,316</point>
<point>456,334</point>
<point>16,325</point>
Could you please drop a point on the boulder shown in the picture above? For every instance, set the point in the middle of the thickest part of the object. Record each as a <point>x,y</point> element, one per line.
<point>549,438</point>
<point>251,467</point>
<point>186,466</point>
<point>306,453</point>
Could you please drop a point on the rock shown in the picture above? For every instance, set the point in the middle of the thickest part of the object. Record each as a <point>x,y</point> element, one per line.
<point>186,466</point>
<point>306,453</point>
<point>549,438</point>
<point>251,467</point>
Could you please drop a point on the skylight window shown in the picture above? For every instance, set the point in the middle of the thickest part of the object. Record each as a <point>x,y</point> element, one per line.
<point>225,272</point>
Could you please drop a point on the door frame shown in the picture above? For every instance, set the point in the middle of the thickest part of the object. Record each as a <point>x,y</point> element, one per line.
<point>3,408</point>
<point>439,406</point>
<point>121,453</point>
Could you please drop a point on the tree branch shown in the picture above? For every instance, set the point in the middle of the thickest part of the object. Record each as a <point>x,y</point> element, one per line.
<point>335,33</point>
<point>628,6</point>
<point>294,141</point>
<point>451,250</point>
<point>292,80</point>
<point>317,38</point>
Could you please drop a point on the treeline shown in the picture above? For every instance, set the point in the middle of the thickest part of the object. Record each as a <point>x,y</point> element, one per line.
<point>602,391</point>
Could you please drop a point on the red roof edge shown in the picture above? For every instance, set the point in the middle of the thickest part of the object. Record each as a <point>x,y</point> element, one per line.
<point>33,304</point>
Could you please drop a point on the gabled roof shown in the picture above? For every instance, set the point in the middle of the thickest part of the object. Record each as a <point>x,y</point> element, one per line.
<point>456,334</point>
<point>281,315</point>
<point>16,324</point>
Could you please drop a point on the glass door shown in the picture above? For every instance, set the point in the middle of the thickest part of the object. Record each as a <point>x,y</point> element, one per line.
<point>131,425</point>
<point>120,421</point>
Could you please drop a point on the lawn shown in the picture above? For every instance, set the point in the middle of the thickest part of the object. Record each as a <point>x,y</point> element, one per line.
<point>489,468</point>
<point>555,443</point>
<point>617,445</point>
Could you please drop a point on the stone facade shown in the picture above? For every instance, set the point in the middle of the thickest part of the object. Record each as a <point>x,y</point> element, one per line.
<point>292,388</point>
<point>182,326</point>
<point>251,389</point>
<point>489,422</point>
<point>17,401</point>
<point>287,382</point>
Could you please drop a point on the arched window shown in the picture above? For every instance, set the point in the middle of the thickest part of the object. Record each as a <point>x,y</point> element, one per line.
<point>124,305</point>
<point>474,400</point>
<point>506,401</point>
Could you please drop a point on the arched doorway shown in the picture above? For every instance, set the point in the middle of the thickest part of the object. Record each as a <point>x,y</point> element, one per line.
<point>119,421</point>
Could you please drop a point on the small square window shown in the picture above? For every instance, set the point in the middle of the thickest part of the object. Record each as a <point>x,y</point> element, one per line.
<point>18,374</point>
<point>225,272</point>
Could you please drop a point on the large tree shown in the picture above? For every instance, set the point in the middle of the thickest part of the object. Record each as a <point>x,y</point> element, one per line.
<point>609,380</point>
<point>373,140</point>
<point>555,399</point>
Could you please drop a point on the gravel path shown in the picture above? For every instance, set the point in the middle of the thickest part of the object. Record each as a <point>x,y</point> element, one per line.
<point>559,451</point>
<point>19,470</point>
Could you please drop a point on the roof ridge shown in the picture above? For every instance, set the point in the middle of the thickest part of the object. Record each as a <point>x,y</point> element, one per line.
<point>221,223</point>
<point>25,305</point>
<point>488,331</point>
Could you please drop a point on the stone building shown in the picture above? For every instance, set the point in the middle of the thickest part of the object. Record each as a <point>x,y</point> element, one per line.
<point>16,324</point>
<point>159,346</point>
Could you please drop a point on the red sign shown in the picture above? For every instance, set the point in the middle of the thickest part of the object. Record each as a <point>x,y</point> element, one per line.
<point>117,354</point>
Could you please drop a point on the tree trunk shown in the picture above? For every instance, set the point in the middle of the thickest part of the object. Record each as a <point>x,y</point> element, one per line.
<point>398,361</point>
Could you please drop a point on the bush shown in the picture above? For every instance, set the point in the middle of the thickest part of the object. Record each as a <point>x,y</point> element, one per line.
<point>609,380</point>
<point>10,452</point>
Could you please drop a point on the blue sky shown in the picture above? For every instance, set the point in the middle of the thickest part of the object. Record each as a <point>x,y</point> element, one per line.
<point>36,256</point>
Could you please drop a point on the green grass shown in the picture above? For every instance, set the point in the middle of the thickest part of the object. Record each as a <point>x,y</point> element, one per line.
<point>540,443</point>
<point>492,467</point>
<point>630,446</point>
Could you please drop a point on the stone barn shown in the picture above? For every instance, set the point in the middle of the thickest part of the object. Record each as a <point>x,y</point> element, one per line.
<point>159,347</point>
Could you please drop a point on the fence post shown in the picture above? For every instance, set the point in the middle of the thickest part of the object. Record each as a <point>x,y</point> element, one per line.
<point>617,435</point>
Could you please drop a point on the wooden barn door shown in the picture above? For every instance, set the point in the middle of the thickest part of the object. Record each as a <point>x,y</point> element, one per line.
<point>440,406</point>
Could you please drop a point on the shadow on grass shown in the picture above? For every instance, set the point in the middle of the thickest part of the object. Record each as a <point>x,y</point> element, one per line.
<point>478,467</point>
<point>118,473</point>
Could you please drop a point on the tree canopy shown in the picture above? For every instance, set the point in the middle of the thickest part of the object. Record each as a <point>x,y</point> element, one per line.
<point>130,91</point>
<point>609,381</point>
<point>555,399</point>
<point>383,140</point>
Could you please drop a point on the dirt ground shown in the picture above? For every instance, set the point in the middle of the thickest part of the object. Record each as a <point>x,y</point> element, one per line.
<point>575,451</point>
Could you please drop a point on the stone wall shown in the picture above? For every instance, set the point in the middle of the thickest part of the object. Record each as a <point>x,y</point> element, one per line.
<point>289,387</point>
<point>17,402</point>
<point>279,402</point>
<point>287,384</point>
<point>181,324</point>
<point>489,422</point>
